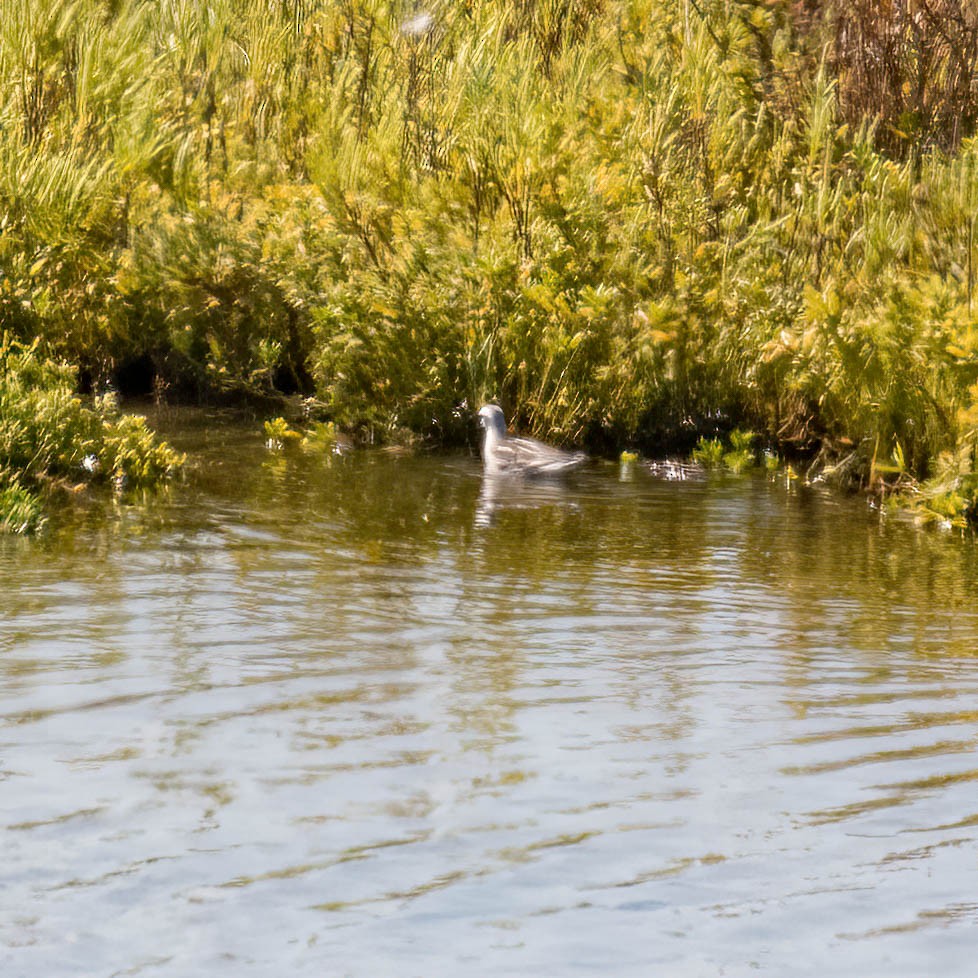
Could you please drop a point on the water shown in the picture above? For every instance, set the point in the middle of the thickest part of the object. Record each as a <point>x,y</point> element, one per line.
<point>369,717</point>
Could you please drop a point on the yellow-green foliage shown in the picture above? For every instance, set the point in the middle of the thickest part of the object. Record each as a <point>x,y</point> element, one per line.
<point>741,455</point>
<point>50,437</point>
<point>131,453</point>
<point>736,455</point>
<point>709,452</point>
<point>621,217</point>
<point>279,435</point>
<point>321,437</point>
<point>20,509</point>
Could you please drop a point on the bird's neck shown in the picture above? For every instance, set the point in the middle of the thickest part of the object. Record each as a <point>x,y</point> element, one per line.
<point>489,444</point>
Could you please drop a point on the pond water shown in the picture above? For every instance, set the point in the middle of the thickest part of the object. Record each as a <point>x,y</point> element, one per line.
<point>368,716</point>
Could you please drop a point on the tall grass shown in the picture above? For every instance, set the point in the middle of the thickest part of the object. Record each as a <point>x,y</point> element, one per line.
<point>625,219</point>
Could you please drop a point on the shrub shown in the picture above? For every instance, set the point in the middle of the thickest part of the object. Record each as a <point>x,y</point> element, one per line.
<point>49,437</point>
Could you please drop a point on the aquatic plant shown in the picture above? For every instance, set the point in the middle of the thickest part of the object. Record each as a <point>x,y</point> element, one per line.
<point>321,437</point>
<point>20,510</point>
<point>709,452</point>
<point>735,453</point>
<point>279,434</point>
<point>741,455</point>
<point>130,453</point>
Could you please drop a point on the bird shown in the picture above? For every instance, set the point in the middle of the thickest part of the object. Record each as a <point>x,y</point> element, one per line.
<point>503,453</point>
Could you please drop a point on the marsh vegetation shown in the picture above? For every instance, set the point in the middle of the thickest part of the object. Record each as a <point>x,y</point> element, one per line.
<point>52,442</point>
<point>634,222</point>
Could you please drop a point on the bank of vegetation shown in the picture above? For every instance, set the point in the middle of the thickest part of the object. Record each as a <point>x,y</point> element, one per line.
<point>631,221</point>
<point>52,442</point>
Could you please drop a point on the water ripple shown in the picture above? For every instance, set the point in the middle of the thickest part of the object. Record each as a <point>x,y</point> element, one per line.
<point>629,728</point>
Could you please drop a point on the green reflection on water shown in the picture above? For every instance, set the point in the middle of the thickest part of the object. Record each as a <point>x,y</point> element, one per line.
<point>380,665</point>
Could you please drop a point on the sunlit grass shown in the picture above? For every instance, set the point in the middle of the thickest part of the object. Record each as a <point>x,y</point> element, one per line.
<point>621,222</point>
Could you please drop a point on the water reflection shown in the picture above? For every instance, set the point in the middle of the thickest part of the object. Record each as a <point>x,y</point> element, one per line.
<point>500,492</point>
<point>317,710</point>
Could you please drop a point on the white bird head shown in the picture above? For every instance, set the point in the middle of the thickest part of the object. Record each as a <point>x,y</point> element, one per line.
<point>492,419</point>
